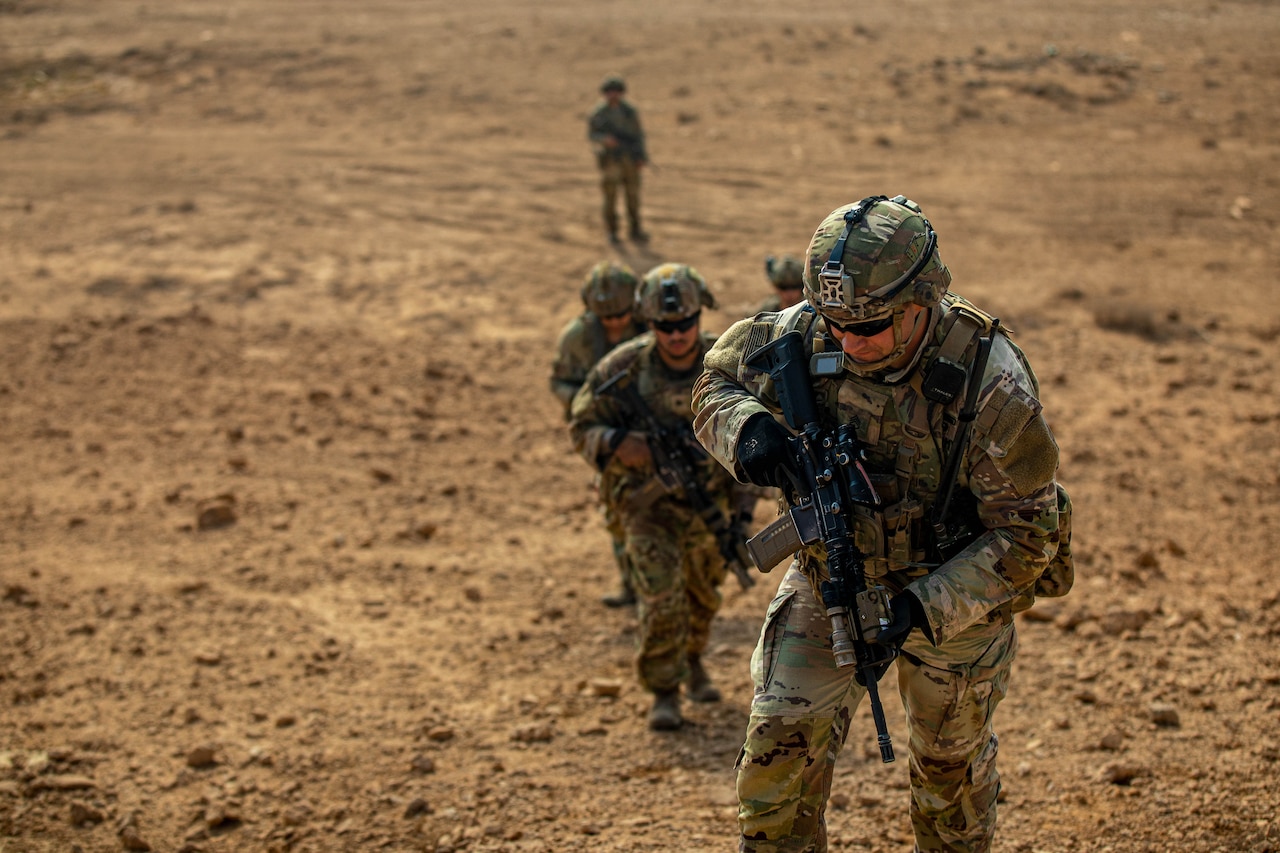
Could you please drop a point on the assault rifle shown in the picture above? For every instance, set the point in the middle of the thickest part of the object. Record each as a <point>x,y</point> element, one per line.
<point>675,463</point>
<point>831,482</point>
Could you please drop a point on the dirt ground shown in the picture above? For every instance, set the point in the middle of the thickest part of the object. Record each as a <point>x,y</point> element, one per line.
<point>294,552</point>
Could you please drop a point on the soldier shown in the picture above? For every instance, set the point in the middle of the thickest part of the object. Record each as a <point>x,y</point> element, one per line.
<point>675,564</point>
<point>618,142</point>
<point>787,278</point>
<point>608,296</point>
<point>896,348</point>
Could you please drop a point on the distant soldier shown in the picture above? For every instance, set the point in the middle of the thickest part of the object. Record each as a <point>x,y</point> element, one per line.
<point>787,278</point>
<point>608,297</point>
<point>676,566</point>
<point>615,134</point>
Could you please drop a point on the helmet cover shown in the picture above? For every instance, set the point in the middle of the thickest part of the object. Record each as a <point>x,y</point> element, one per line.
<point>889,259</point>
<point>609,289</point>
<point>672,292</point>
<point>785,273</point>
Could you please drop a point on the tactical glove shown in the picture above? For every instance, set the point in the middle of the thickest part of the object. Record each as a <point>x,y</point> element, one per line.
<point>764,454</point>
<point>907,613</point>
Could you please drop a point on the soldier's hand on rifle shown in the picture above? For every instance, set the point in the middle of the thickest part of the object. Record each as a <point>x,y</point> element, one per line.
<point>633,451</point>
<point>764,453</point>
<point>907,613</point>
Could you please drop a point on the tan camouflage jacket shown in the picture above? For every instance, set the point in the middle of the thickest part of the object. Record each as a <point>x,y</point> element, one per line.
<point>581,344</point>
<point>592,416</point>
<point>622,123</point>
<point>1009,467</point>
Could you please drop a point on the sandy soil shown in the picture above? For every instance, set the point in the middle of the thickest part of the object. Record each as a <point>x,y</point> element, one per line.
<point>294,553</point>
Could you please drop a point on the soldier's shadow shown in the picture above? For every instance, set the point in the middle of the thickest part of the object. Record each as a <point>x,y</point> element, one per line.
<point>641,257</point>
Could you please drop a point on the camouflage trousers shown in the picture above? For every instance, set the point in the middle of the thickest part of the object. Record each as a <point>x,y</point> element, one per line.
<point>620,173</point>
<point>800,718</point>
<point>676,571</point>
<point>617,536</point>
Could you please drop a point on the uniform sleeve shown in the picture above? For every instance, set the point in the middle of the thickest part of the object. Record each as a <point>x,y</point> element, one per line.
<point>640,149</point>
<point>597,126</point>
<point>593,417</point>
<point>1012,463</point>
<point>570,367</point>
<point>723,398</point>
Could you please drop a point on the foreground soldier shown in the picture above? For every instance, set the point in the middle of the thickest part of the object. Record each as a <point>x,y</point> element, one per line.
<point>894,350</point>
<point>608,297</point>
<point>618,141</point>
<point>675,564</point>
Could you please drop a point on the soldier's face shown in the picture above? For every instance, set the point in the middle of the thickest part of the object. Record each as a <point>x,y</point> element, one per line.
<point>788,296</point>
<point>616,322</point>
<point>868,349</point>
<point>677,340</point>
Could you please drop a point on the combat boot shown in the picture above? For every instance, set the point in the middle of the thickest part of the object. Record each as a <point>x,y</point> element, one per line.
<point>698,685</point>
<point>665,715</point>
<point>624,597</point>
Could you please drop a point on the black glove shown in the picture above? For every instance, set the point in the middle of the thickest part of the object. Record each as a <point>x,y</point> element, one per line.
<point>764,452</point>
<point>907,613</point>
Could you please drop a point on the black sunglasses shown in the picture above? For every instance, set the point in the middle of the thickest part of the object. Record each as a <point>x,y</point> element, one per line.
<point>669,326</point>
<point>869,329</point>
<point>618,316</point>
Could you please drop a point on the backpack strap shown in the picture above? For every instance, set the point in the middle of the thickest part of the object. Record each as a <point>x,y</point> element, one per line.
<point>946,374</point>
<point>951,467</point>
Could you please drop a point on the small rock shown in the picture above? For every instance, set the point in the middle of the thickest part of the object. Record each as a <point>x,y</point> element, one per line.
<point>217,512</point>
<point>417,807</point>
<point>62,782</point>
<point>1111,742</point>
<point>82,813</point>
<point>839,800</point>
<point>208,657</point>
<point>1164,714</point>
<point>130,840</point>
<point>440,734</point>
<point>202,756</point>
<point>605,687</point>
<point>534,733</point>
<point>1121,773</point>
<point>422,764</point>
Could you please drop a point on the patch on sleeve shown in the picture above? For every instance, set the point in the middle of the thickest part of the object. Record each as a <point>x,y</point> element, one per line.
<point>757,337</point>
<point>1032,459</point>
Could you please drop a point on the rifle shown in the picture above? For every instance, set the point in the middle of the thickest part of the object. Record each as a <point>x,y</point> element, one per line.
<point>832,481</point>
<point>675,463</point>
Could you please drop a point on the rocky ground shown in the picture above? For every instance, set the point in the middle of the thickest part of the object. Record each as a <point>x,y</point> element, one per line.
<point>294,553</point>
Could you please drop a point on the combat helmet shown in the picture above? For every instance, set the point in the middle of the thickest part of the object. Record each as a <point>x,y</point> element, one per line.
<point>785,273</point>
<point>672,292</point>
<point>867,262</point>
<point>609,289</point>
<point>613,83</point>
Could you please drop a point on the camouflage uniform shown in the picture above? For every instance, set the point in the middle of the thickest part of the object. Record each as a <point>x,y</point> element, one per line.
<point>676,566</point>
<point>581,344</point>
<point>954,672</point>
<point>619,165</point>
